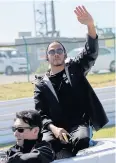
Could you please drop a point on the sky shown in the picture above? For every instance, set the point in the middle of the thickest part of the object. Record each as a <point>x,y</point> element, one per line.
<point>18,16</point>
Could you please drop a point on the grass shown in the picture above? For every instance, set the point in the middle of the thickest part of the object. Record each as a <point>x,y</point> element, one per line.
<point>16,90</point>
<point>103,133</point>
<point>20,90</point>
<point>6,146</point>
<point>102,80</point>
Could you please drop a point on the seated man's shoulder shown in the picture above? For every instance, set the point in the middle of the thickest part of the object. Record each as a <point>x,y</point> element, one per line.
<point>12,150</point>
<point>46,147</point>
<point>44,144</point>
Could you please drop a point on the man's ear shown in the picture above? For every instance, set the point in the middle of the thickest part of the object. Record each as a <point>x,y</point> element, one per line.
<point>36,130</point>
<point>65,55</point>
<point>46,57</point>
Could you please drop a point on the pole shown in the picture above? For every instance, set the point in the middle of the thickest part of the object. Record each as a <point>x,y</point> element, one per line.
<point>27,57</point>
<point>46,22</point>
<point>34,18</point>
<point>53,18</point>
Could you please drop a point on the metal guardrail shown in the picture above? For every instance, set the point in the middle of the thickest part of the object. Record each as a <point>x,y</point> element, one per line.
<point>10,107</point>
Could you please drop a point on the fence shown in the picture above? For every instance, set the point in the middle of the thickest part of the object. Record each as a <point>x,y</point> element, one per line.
<point>30,57</point>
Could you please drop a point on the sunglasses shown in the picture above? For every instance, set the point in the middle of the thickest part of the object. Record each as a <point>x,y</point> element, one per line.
<point>20,129</point>
<point>57,51</point>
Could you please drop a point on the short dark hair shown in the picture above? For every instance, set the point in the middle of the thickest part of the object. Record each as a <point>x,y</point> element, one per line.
<point>31,117</point>
<point>58,43</point>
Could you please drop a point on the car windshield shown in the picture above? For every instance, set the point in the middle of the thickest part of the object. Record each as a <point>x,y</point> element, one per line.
<point>14,54</point>
<point>74,52</point>
<point>112,49</point>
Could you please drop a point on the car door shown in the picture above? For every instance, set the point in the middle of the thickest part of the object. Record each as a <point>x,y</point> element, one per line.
<point>103,60</point>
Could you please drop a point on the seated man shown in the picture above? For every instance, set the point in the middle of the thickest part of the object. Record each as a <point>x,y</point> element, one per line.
<point>29,145</point>
<point>65,99</point>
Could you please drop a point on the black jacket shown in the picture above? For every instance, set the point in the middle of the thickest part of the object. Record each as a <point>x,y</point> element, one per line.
<point>32,152</point>
<point>46,100</point>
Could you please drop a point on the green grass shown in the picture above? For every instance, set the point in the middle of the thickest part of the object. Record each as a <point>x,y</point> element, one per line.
<point>105,133</point>
<point>101,80</point>
<point>20,90</point>
<point>16,90</point>
<point>4,146</point>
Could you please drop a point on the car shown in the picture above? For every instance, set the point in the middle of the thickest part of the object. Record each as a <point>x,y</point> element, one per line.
<point>105,60</point>
<point>11,61</point>
<point>101,150</point>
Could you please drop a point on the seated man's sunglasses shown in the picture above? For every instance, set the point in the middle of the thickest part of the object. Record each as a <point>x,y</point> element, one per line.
<point>20,129</point>
<point>56,51</point>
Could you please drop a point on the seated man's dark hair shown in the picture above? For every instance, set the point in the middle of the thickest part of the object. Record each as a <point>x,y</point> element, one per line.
<point>31,117</point>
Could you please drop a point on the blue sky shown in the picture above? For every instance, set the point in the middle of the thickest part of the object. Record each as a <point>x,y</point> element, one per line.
<point>17,16</point>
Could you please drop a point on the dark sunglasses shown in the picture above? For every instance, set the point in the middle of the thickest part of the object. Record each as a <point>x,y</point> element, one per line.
<point>58,51</point>
<point>20,129</point>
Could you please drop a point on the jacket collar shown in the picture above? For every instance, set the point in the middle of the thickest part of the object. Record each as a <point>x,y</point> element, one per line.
<point>49,84</point>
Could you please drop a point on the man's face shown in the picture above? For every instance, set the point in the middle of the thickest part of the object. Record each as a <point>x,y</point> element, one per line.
<point>56,56</point>
<point>28,132</point>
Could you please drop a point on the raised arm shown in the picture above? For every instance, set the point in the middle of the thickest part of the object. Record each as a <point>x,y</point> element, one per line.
<point>85,18</point>
<point>87,57</point>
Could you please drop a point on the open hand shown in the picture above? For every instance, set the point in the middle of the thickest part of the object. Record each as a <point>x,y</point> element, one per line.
<point>83,16</point>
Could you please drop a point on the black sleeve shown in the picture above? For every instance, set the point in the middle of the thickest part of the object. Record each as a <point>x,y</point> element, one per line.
<point>40,105</point>
<point>86,59</point>
<point>42,154</point>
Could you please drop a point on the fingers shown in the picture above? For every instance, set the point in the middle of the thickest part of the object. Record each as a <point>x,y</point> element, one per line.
<point>64,131</point>
<point>84,9</point>
<point>65,137</point>
<point>61,137</point>
<point>80,11</point>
